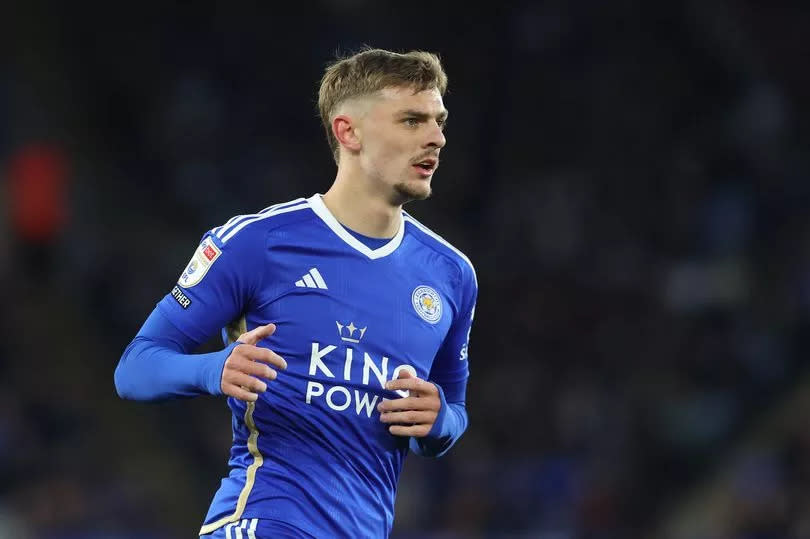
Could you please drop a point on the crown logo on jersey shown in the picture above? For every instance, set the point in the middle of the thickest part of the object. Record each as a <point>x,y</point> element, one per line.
<point>349,334</point>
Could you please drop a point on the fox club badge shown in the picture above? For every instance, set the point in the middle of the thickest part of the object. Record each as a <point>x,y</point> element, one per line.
<point>205,255</point>
<point>427,303</point>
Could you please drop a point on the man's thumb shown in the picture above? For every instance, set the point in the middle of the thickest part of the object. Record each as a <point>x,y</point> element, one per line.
<point>256,334</point>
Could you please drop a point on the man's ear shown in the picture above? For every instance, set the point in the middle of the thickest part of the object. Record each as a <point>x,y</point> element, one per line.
<point>346,132</point>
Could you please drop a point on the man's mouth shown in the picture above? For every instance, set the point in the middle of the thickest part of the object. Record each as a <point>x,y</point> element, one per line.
<point>427,166</point>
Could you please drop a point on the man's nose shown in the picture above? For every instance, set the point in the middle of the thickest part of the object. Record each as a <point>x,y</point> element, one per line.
<point>437,138</point>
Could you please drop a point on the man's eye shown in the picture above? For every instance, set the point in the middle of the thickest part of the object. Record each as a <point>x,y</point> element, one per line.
<point>413,122</point>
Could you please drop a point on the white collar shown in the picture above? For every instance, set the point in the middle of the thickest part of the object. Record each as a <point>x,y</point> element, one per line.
<point>320,209</point>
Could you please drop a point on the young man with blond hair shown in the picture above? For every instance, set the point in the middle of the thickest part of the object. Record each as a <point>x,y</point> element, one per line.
<point>347,321</point>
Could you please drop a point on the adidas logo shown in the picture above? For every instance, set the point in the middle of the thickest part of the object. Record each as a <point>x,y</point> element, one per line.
<point>312,279</point>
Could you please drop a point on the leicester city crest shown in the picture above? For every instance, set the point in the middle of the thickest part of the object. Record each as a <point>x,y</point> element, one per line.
<point>427,303</point>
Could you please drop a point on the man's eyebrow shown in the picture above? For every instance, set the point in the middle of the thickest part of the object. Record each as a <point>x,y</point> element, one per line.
<point>423,115</point>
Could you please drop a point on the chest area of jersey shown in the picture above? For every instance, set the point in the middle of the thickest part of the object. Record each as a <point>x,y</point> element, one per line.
<point>351,315</point>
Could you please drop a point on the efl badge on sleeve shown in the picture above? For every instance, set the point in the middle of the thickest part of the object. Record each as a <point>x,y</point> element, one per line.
<point>427,303</point>
<point>204,257</point>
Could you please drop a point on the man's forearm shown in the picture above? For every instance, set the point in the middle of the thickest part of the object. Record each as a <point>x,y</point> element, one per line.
<point>156,366</point>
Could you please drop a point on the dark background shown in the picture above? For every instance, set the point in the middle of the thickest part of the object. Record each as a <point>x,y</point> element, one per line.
<point>630,179</point>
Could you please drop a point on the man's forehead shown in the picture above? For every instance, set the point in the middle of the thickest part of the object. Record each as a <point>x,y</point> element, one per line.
<point>404,98</point>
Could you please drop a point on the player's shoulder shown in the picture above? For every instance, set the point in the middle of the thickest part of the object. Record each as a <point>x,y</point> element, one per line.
<point>253,226</point>
<point>436,242</point>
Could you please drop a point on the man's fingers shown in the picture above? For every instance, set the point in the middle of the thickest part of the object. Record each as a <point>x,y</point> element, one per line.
<point>406,403</point>
<point>417,431</point>
<point>257,353</point>
<point>270,357</point>
<point>256,334</point>
<point>411,384</point>
<point>409,417</point>
<point>246,369</point>
<point>251,367</point>
<point>415,414</point>
<point>245,381</point>
<point>405,373</point>
<point>235,391</point>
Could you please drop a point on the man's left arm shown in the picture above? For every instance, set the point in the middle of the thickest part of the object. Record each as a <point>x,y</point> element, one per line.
<point>434,414</point>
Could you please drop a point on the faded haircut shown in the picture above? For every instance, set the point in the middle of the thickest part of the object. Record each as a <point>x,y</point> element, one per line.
<point>369,71</point>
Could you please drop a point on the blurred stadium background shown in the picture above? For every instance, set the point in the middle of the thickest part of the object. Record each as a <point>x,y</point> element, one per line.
<point>630,179</point>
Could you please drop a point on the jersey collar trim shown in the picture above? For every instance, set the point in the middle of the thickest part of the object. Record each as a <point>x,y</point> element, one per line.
<point>326,216</point>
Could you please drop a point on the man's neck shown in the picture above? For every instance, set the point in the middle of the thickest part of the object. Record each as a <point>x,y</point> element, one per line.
<point>361,210</point>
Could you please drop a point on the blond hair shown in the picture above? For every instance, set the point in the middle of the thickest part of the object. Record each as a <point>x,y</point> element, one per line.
<point>368,72</point>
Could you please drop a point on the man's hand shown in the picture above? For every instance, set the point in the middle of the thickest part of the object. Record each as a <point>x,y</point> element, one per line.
<point>415,414</point>
<point>246,365</point>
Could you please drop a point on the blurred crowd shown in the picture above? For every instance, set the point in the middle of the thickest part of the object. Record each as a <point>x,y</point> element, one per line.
<point>630,180</point>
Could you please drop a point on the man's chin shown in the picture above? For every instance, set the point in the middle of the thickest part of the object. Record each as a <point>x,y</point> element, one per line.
<point>408,191</point>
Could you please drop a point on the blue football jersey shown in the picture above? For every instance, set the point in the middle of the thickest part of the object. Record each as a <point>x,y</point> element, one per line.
<point>312,452</point>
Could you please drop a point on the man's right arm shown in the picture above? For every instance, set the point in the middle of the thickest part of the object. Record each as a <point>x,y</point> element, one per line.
<point>216,286</point>
<point>158,364</point>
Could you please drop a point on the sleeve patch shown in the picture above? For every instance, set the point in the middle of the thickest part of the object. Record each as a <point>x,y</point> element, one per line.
<point>203,258</point>
<point>181,298</point>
